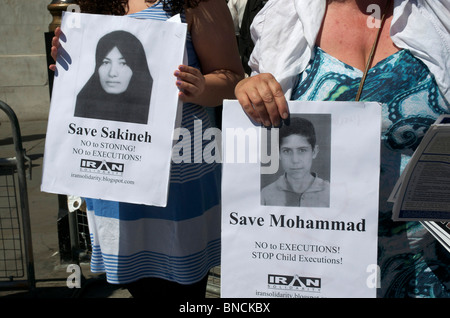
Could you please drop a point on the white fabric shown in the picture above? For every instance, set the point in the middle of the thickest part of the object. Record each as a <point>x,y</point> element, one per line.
<point>285,32</point>
<point>237,8</point>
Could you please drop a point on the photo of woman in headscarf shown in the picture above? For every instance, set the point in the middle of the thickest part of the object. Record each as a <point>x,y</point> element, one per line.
<point>120,88</point>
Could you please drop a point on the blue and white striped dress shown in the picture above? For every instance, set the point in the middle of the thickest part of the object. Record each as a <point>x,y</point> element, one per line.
<point>180,242</point>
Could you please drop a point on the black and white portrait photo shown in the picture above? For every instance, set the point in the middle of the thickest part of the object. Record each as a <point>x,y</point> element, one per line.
<point>303,177</point>
<point>114,108</point>
<point>120,86</point>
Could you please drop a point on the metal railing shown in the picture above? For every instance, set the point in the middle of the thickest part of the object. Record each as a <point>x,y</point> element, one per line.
<point>16,252</point>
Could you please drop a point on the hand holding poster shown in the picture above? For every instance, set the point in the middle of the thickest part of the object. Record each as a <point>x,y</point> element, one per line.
<point>114,108</point>
<point>300,203</point>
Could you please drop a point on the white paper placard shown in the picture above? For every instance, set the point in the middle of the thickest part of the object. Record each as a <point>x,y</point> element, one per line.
<point>325,249</point>
<point>113,110</point>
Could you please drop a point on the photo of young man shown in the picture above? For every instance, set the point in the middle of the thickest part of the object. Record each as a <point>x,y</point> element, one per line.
<point>298,185</point>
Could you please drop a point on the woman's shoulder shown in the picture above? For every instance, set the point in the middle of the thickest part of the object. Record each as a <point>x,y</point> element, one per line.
<point>208,10</point>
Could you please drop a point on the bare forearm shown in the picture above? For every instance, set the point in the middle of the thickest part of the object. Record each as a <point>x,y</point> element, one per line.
<point>212,32</point>
<point>219,86</point>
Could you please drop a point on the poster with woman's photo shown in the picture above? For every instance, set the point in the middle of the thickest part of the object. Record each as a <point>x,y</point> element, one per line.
<point>300,202</point>
<point>114,108</point>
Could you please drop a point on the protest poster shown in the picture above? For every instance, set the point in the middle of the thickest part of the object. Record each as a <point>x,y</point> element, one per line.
<point>300,202</point>
<point>114,108</point>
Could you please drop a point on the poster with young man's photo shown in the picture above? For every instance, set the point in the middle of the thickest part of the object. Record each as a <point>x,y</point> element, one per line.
<point>114,108</point>
<point>300,202</point>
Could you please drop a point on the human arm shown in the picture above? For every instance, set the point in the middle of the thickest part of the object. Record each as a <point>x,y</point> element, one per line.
<point>55,46</point>
<point>262,98</point>
<point>58,53</point>
<point>212,32</point>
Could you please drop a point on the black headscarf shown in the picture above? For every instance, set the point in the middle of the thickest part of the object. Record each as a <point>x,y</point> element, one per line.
<point>129,106</point>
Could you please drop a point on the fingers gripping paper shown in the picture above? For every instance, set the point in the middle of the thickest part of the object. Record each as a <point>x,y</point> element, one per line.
<point>114,108</point>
